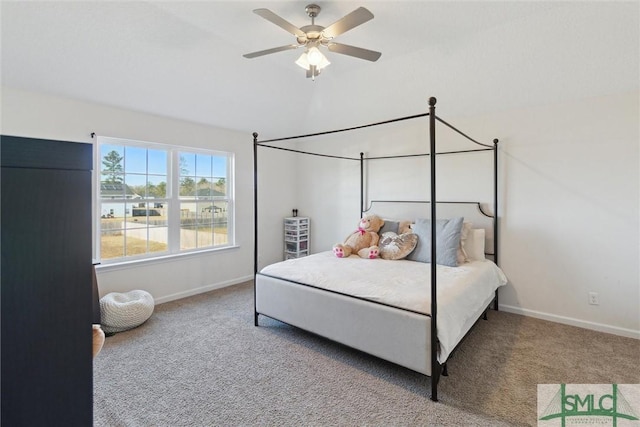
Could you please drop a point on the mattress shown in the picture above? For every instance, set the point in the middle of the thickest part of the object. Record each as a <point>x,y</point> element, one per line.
<point>463,291</point>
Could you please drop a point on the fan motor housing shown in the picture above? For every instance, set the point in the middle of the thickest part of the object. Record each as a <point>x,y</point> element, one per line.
<point>312,10</point>
<point>313,33</point>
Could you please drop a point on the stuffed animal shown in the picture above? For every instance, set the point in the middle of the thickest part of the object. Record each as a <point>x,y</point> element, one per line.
<point>405,227</point>
<point>363,241</point>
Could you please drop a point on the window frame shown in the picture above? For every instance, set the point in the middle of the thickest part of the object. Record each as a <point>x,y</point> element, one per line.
<point>172,199</point>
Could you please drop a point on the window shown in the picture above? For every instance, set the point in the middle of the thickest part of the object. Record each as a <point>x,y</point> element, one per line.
<point>157,200</point>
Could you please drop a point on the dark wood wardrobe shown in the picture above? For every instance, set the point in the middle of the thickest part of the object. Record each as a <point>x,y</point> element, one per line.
<point>47,298</point>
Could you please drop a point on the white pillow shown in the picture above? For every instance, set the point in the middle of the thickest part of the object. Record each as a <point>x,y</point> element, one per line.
<point>464,234</point>
<point>474,244</point>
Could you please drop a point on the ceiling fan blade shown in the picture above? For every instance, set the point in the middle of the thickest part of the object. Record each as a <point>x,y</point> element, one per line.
<point>358,52</point>
<point>272,50</point>
<point>280,22</point>
<point>355,18</point>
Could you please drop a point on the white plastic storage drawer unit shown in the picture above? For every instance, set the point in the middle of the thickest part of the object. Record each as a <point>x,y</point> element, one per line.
<point>296,237</point>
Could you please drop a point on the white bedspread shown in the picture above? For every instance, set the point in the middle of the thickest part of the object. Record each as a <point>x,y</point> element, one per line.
<point>403,284</point>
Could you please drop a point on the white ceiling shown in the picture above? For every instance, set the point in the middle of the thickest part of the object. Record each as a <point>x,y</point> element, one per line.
<point>184,59</point>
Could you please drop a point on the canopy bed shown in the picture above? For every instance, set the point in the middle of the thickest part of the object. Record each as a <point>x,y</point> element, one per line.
<point>413,312</point>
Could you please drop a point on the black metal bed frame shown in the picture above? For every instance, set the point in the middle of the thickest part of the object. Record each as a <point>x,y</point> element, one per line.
<point>437,369</point>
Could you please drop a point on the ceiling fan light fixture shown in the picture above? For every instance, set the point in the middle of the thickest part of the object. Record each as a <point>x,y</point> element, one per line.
<point>324,63</point>
<point>307,59</point>
<point>314,56</point>
<point>303,61</point>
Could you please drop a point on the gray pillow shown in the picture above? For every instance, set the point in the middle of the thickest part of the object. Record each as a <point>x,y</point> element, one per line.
<point>389,226</point>
<point>447,241</point>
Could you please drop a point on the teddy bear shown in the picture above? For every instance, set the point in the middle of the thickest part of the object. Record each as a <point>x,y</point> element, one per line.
<point>363,241</point>
<point>405,227</point>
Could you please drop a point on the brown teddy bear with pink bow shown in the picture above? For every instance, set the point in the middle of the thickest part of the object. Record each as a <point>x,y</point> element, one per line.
<point>362,242</point>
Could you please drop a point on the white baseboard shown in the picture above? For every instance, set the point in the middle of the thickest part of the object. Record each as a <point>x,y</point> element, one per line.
<point>615,330</point>
<point>202,289</point>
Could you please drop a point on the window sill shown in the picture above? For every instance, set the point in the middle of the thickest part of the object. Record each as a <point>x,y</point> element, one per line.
<point>125,265</point>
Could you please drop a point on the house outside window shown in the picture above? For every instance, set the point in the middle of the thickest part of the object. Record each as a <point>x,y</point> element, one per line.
<point>158,200</point>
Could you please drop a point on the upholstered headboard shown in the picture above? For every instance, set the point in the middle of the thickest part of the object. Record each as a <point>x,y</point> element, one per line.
<point>473,212</point>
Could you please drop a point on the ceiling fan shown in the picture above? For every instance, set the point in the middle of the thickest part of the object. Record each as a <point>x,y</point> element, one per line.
<point>313,36</point>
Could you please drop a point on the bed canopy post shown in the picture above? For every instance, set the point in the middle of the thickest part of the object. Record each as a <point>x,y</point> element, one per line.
<point>495,211</point>
<point>435,366</point>
<point>255,223</point>
<point>361,184</point>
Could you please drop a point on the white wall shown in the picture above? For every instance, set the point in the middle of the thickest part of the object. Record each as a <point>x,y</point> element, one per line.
<point>277,182</point>
<point>571,219</point>
<point>43,116</point>
<point>569,195</point>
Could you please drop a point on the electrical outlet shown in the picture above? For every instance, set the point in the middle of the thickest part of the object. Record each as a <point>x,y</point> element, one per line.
<point>593,298</point>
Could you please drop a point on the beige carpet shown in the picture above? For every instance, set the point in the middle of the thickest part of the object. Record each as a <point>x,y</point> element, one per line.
<point>201,362</point>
